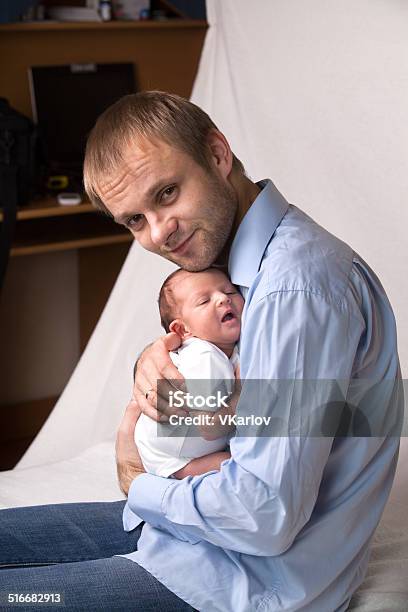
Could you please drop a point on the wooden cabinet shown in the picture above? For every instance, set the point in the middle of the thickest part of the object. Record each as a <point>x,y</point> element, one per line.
<point>165,56</point>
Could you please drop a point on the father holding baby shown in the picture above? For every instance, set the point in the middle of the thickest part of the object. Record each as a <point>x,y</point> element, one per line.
<point>286,521</point>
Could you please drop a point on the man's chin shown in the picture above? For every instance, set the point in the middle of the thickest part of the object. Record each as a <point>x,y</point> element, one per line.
<point>201,254</point>
<point>193,266</point>
<point>190,264</point>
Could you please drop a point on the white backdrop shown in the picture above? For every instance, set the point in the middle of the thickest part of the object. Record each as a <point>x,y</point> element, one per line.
<point>314,94</point>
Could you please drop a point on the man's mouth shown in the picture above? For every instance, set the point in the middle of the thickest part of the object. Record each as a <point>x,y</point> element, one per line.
<point>182,246</point>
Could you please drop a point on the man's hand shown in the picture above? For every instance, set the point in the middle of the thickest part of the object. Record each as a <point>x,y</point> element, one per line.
<point>128,462</point>
<point>155,364</point>
<point>202,465</point>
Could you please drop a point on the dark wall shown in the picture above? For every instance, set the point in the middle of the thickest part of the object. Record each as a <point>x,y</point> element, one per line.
<point>10,10</point>
<point>195,9</point>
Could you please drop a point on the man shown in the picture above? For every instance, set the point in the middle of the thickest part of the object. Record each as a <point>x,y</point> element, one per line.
<point>286,522</point>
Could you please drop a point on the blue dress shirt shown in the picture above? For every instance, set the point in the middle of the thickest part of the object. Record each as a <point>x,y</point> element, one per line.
<point>286,522</point>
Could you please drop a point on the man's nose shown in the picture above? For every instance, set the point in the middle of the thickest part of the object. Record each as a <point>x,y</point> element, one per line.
<point>160,229</point>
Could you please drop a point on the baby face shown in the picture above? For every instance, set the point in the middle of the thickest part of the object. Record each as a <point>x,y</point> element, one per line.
<point>209,306</point>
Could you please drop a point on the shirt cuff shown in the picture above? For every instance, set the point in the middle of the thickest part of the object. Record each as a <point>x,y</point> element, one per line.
<point>145,497</point>
<point>130,520</point>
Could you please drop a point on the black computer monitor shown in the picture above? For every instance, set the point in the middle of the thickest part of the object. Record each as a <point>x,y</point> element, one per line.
<point>66,102</point>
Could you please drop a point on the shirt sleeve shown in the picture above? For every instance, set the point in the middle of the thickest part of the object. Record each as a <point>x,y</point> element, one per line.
<point>265,493</point>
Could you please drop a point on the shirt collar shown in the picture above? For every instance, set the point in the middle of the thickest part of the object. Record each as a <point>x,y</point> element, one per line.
<point>255,232</point>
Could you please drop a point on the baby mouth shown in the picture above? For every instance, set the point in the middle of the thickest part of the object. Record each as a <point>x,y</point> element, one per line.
<point>227,317</point>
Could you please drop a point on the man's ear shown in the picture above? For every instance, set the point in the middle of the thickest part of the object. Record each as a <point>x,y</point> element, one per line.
<point>220,151</point>
<point>177,326</point>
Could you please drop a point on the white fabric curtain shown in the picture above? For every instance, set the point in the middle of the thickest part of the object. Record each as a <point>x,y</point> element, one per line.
<point>314,95</point>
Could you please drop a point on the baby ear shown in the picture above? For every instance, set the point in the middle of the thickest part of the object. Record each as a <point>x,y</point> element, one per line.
<point>177,326</point>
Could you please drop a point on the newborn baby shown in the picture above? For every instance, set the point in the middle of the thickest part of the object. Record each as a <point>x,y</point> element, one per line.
<point>204,309</point>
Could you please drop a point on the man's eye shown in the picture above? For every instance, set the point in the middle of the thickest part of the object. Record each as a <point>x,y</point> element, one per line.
<point>168,192</point>
<point>135,222</point>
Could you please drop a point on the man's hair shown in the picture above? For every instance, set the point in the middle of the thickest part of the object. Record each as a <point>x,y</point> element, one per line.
<point>167,302</point>
<point>150,114</point>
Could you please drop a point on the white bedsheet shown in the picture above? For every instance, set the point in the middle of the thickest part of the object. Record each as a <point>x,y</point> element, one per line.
<point>385,588</point>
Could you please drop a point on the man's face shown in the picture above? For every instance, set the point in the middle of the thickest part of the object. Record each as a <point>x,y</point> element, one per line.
<point>172,206</point>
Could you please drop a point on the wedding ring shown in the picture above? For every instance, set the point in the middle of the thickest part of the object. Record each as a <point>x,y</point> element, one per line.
<point>147,393</point>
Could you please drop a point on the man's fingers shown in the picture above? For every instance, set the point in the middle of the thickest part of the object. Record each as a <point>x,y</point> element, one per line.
<point>155,364</point>
<point>163,406</point>
<point>166,390</point>
<point>142,386</point>
<point>175,381</point>
<point>147,408</point>
<point>157,402</point>
<point>158,377</point>
<point>171,341</point>
<point>157,407</point>
<point>158,391</point>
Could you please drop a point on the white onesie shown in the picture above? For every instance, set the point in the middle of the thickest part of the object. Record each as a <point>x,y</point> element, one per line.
<point>164,449</point>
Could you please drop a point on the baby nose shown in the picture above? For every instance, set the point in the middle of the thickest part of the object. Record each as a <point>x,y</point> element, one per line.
<point>223,298</point>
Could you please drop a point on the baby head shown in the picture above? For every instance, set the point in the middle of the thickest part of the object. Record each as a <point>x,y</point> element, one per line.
<point>204,305</point>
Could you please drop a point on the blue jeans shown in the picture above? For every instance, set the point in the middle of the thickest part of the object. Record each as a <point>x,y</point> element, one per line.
<point>68,549</point>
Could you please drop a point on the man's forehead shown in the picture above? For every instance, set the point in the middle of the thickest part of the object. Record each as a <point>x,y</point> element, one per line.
<point>143,160</point>
<point>142,145</point>
<point>139,159</point>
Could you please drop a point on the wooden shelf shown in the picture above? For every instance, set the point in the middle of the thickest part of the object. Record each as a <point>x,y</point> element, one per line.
<point>165,54</point>
<point>40,26</point>
<point>66,245</point>
<point>49,207</point>
<point>45,227</point>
